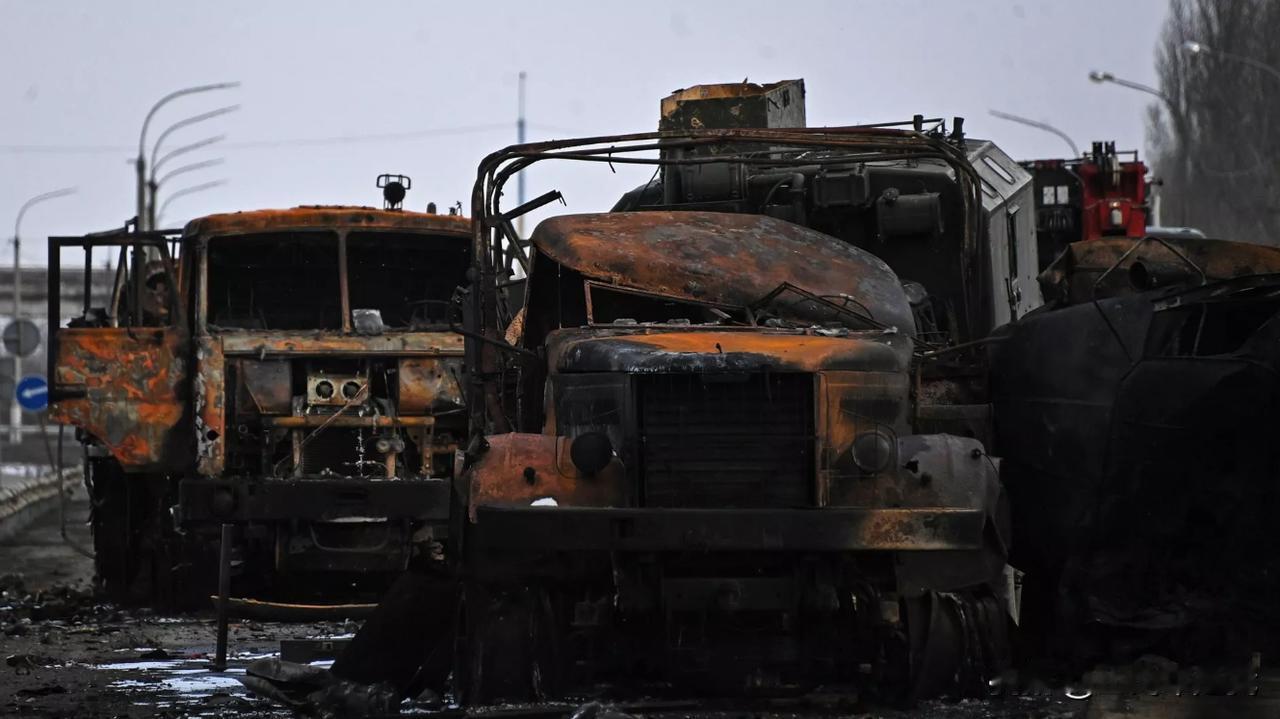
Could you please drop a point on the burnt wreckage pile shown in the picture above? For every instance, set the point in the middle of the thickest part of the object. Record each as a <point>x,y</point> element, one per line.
<point>789,415</point>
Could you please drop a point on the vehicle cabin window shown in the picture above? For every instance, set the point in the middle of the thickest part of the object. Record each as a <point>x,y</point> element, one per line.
<point>407,278</point>
<point>144,290</point>
<point>274,281</point>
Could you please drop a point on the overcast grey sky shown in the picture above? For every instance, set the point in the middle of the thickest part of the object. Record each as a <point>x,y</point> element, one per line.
<point>80,76</point>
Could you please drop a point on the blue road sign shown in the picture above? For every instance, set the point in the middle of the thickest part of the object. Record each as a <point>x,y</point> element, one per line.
<point>32,393</point>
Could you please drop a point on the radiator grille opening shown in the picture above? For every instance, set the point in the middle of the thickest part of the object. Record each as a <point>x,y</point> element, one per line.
<point>727,441</point>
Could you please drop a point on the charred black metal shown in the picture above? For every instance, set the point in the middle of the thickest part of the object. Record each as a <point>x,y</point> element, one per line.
<point>729,360</point>
<point>1135,420</point>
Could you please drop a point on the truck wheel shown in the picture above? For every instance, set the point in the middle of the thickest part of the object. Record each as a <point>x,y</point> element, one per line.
<point>138,558</point>
<point>959,641</point>
<point>114,519</point>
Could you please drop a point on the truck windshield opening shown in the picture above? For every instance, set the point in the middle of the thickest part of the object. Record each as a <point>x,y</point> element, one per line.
<point>275,281</point>
<point>408,278</point>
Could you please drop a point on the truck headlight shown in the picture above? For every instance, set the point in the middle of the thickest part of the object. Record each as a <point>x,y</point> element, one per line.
<point>591,452</point>
<point>872,451</point>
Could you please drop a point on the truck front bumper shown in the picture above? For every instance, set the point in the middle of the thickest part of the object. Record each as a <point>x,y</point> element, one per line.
<point>654,530</point>
<point>321,500</point>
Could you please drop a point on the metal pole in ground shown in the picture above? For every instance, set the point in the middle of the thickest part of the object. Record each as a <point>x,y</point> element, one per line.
<point>224,592</point>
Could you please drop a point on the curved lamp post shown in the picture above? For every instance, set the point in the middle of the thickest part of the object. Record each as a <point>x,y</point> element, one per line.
<point>1100,77</point>
<point>1075,152</point>
<point>141,163</point>
<point>1196,48</point>
<point>188,191</point>
<point>15,412</point>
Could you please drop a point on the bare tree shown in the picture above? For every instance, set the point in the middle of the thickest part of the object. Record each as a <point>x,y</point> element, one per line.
<point>1215,135</point>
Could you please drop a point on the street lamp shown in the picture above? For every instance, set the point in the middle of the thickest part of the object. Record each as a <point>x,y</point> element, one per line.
<point>191,167</point>
<point>15,412</point>
<point>1075,152</point>
<point>157,163</point>
<point>181,170</point>
<point>155,150</point>
<point>188,191</point>
<point>1183,137</point>
<point>141,163</point>
<point>1101,77</point>
<point>17,242</point>
<point>1196,48</point>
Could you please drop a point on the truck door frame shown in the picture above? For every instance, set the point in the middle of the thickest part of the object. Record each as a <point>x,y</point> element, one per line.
<point>160,240</point>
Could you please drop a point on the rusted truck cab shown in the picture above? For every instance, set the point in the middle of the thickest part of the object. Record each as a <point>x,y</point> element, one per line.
<point>303,384</point>
<point>721,487</point>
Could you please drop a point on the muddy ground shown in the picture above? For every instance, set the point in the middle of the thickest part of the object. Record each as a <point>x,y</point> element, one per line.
<point>69,655</point>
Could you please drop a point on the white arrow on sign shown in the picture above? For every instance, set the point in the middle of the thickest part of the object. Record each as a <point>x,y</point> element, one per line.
<point>32,392</point>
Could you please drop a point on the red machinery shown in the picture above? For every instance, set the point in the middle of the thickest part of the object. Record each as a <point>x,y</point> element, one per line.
<point>1102,194</point>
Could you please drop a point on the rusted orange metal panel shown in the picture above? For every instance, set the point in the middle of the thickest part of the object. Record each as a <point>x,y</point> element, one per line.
<point>133,392</point>
<point>721,258</point>
<point>781,350</point>
<point>428,384</point>
<point>327,218</point>
<point>323,343</point>
<point>264,386</point>
<point>210,407</point>
<point>519,469</point>
<point>1151,263</point>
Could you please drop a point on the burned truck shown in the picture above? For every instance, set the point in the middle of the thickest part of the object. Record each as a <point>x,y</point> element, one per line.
<point>1137,414</point>
<point>696,462</point>
<point>288,372</point>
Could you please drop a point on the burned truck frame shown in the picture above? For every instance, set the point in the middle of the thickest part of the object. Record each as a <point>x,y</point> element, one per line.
<point>1136,414</point>
<point>695,459</point>
<point>292,373</point>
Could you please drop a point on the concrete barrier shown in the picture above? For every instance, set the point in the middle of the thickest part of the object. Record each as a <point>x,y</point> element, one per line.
<point>27,495</point>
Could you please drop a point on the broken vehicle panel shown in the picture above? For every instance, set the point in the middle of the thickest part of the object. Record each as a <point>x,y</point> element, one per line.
<point>699,464</point>
<point>1136,415</point>
<point>309,390</point>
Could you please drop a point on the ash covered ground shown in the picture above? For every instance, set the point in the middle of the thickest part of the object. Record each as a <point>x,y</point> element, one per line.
<point>69,654</point>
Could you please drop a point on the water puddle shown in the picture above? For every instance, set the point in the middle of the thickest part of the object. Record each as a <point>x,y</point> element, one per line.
<point>181,682</point>
<point>186,679</point>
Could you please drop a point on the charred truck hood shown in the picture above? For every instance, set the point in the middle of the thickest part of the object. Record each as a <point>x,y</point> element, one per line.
<point>726,261</point>
<point>657,350</point>
<point>718,258</point>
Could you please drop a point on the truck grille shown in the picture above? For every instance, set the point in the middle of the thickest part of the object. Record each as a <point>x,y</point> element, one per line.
<point>726,440</point>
